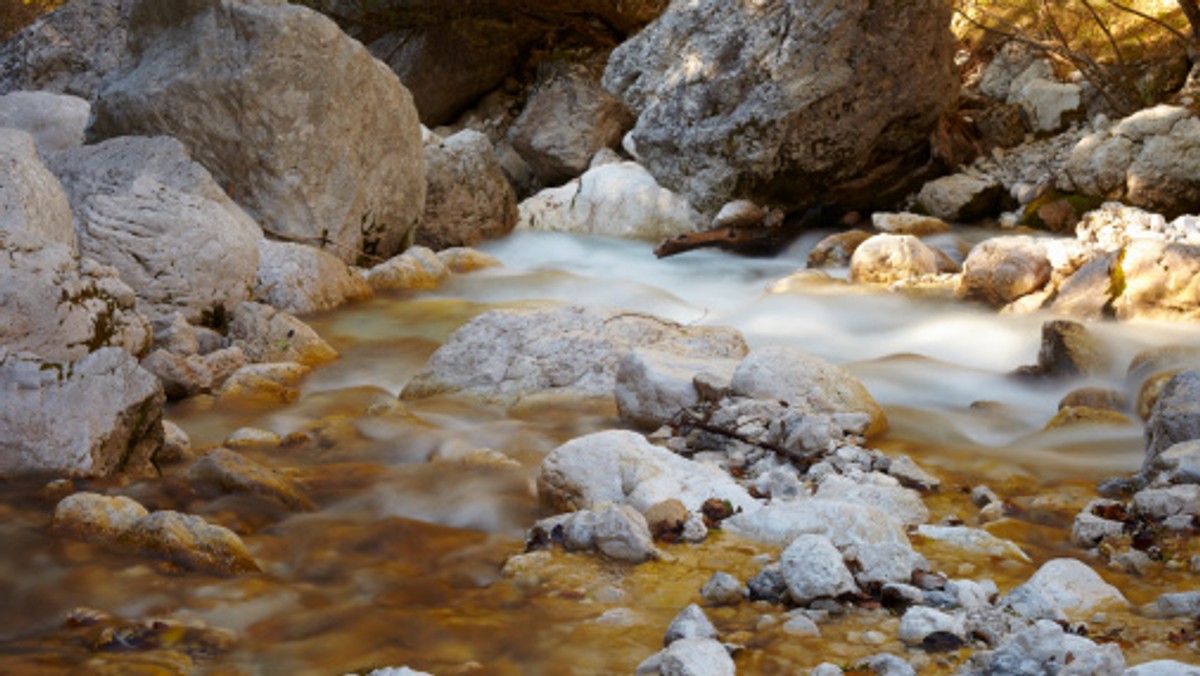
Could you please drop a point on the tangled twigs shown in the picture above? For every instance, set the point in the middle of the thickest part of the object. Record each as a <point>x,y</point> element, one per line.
<point>700,418</point>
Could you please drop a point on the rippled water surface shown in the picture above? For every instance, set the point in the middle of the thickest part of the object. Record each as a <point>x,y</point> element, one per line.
<point>400,561</point>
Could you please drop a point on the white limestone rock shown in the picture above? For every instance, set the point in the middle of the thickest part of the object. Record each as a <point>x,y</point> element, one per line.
<point>31,198</point>
<point>887,258</point>
<point>874,540</point>
<point>62,307</point>
<point>509,355</point>
<point>690,657</point>
<point>623,468</point>
<point>1063,589</point>
<point>802,380</point>
<point>144,207</point>
<point>615,200</point>
<point>813,569</point>
<point>98,416</point>
<point>653,386</point>
<point>301,279</point>
<point>920,621</point>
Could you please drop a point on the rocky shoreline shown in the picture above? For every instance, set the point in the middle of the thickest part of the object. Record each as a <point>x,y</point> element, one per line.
<point>172,218</point>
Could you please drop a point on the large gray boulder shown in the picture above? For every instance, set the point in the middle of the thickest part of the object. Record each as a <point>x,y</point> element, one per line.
<point>468,200</point>
<point>59,306</point>
<point>93,417</point>
<point>1148,159</point>
<point>507,355</point>
<point>70,50</point>
<point>782,102</point>
<point>567,119</point>
<point>813,568</point>
<point>144,207</point>
<point>31,198</point>
<point>269,97</point>
<point>56,121</point>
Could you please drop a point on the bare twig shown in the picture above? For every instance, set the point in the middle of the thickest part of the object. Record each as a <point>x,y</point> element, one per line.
<point>1112,41</point>
<point>686,420</point>
<point>1189,43</point>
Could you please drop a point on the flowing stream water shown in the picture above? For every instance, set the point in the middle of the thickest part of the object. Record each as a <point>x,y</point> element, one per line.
<point>400,561</point>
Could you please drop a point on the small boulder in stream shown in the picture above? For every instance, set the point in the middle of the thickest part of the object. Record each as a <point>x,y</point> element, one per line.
<point>507,356</point>
<point>621,467</point>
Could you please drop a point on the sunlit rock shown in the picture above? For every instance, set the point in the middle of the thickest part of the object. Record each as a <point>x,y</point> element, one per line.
<point>621,467</point>
<point>765,102</point>
<point>416,269</point>
<point>836,250</point>
<point>886,258</point>
<point>905,223</point>
<point>300,279</point>
<point>1146,160</point>
<point>144,207</point>
<point>616,200</point>
<point>1003,269</point>
<point>90,516</point>
<point>1158,281</point>
<point>97,416</point>
<point>278,115</point>
<point>1063,589</point>
<point>461,260</point>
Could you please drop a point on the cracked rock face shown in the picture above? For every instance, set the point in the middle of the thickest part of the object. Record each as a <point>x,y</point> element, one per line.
<point>144,207</point>
<point>93,417</point>
<point>277,115</point>
<point>59,306</point>
<point>1147,160</point>
<point>768,100</point>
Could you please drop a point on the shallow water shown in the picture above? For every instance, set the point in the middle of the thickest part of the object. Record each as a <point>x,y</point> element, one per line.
<point>400,561</point>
